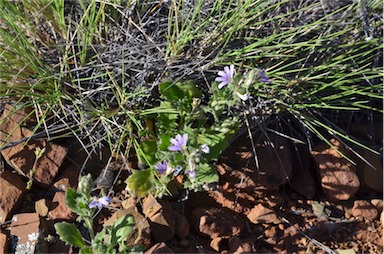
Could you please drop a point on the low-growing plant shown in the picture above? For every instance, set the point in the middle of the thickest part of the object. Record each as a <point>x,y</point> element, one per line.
<point>109,238</point>
<point>187,136</point>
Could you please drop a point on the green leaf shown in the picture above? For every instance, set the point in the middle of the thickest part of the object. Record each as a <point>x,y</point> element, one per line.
<point>190,89</point>
<point>121,229</point>
<point>166,120</point>
<point>206,174</point>
<point>171,91</point>
<point>149,148</point>
<point>85,185</point>
<point>99,237</point>
<point>69,234</point>
<point>165,142</point>
<point>140,183</point>
<point>70,200</point>
<point>86,250</point>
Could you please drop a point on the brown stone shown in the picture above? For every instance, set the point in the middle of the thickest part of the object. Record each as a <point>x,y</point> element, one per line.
<point>68,178</point>
<point>261,214</point>
<point>151,206</point>
<point>159,248</point>
<point>48,165</point>
<point>41,207</point>
<point>238,245</point>
<point>238,167</point>
<point>338,178</point>
<point>129,203</point>
<point>59,209</point>
<point>364,209</point>
<point>4,243</point>
<point>217,222</point>
<point>162,225</point>
<point>29,231</point>
<point>378,203</point>
<point>371,175</point>
<point>21,156</point>
<point>12,190</point>
<point>182,226</point>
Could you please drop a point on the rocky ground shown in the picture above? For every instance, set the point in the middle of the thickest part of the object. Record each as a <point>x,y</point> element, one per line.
<point>294,201</point>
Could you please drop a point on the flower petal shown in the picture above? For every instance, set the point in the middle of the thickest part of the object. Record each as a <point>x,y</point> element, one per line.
<point>93,204</point>
<point>185,139</point>
<point>174,141</point>
<point>222,74</point>
<point>174,148</point>
<point>105,200</point>
<point>221,79</point>
<point>227,71</point>
<point>222,84</point>
<point>231,70</point>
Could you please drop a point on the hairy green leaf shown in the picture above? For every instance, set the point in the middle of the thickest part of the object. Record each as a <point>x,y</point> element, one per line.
<point>69,234</point>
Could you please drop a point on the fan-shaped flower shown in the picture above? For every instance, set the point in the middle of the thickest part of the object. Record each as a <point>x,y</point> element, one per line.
<point>225,76</point>
<point>161,167</point>
<point>178,143</point>
<point>100,202</point>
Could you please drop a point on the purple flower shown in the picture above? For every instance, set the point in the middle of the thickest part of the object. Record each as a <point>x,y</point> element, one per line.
<point>225,76</point>
<point>191,173</point>
<point>161,166</point>
<point>178,143</point>
<point>263,77</point>
<point>100,202</point>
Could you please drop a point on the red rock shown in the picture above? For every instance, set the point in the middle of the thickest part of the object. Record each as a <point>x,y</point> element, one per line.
<point>159,248</point>
<point>12,190</point>
<point>338,178</point>
<point>238,245</point>
<point>261,214</point>
<point>289,241</point>
<point>162,225</point>
<point>237,164</point>
<point>29,232</point>
<point>378,203</point>
<point>22,156</point>
<point>371,177</point>
<point>151,206</point>
<point>4,243</point>
<point>182,226</point>
<point>364,209</point>
<point>68,178</point>
<point>216,222</point>
<point>59,209</point>
<point>48,165</point>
